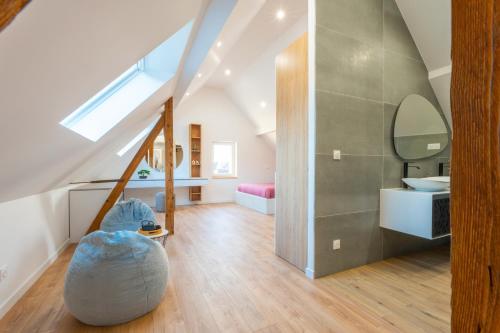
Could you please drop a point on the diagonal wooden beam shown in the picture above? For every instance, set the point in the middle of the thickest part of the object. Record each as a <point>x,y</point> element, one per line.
<point>168,133</point>
<point>120,186</point>
<point>9,9</point>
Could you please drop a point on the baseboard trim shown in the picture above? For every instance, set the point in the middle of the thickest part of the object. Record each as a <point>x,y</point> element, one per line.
<point>28,283</point>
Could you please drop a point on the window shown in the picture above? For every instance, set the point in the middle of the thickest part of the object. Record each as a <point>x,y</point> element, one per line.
<point>224,159</point>
<point>118,99</point>
<point>138,138</point>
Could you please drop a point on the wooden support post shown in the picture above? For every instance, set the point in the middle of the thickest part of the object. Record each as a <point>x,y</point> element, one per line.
<point>475,182</point>
<point>168,132</point>
<point>120,185</point>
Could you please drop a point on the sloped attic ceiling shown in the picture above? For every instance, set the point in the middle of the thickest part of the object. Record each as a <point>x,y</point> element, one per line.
<point>54,56</point>
<point>429,22</point>
<point>250,41</point>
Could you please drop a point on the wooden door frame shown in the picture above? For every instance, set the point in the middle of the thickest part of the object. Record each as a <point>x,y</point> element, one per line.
<point>475,183</point>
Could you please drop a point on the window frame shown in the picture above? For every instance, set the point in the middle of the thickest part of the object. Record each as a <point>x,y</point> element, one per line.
<point>104,94</point>
<point>234,151</point>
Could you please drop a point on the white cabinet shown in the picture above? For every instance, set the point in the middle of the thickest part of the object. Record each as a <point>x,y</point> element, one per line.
<point>422,214</point>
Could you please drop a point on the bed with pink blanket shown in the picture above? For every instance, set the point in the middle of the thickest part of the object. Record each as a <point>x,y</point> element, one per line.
<point>259,197</point>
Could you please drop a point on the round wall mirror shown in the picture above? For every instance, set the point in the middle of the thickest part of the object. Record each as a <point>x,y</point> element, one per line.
<point>156,160</point>
<point>179,155</point>
<point>419,130</point>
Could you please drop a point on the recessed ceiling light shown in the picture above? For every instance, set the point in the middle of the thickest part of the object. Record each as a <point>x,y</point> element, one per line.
<point>263,104</point>
<point>199,75</point>
<point>219,44</point>
<point>227,72</point>
<point>188,93</point>
<point>280,14</point>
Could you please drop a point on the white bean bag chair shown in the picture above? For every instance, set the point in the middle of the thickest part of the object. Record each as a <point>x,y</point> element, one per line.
<point>115,277</point>
<point>127,215</point>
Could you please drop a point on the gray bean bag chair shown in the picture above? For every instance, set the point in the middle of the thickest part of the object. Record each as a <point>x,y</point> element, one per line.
<point>127,215</point>
<point>115,277</point>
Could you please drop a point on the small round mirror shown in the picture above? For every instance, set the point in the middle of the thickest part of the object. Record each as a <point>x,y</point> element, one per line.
<point>420,130</point>
<point>179,155</point>
<point>156,160</point>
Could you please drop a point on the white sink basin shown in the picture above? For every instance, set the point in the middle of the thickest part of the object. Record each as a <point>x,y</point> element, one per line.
<point>429,184</point>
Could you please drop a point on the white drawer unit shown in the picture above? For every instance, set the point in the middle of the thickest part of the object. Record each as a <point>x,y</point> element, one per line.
<point>422,214</point>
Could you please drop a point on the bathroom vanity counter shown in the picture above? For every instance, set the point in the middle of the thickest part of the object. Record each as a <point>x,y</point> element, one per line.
<point>422,214</point>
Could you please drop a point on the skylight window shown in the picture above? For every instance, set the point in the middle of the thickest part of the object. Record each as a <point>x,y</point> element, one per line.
<point>118,99</point>
<point>138,138</point>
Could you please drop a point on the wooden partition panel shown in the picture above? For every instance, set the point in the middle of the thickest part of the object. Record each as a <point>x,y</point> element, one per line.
<point>291,153</point>
<point>475,182</point>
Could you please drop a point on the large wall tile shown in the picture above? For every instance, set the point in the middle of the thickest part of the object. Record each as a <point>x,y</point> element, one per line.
<point>393,171</point>
<point>397,37</point>
<point>397,244</point>
<point>360,237</point>
<point>355,126</point>
<point>347,66</point>
<point>354,73</point>
<point>360,19</point>
<point>349,185</point>
<point>404,76</point>
<point>389,114</point>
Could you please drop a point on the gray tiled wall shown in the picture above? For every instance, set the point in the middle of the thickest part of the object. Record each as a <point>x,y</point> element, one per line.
<point>366,63</point>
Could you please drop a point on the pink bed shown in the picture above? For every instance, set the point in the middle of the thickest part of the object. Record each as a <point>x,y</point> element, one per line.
<point>260,190</point>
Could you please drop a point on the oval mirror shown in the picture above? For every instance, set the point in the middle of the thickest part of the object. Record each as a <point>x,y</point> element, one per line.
<point>419,129</point>
<point>155,160</point>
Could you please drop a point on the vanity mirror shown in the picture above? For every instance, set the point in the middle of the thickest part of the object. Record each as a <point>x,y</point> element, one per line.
<point>419,130</point>
<point>155,157</point>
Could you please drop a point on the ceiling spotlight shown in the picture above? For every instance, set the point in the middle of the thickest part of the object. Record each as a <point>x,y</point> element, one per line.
<point>188,93</point>
<point>263,104</point>
<point>219,44</point>
<point>199,75</point>
<point>227,72</point>
<point>280,14</point>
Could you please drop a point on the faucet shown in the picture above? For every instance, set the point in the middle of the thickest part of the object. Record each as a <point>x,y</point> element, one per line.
<point>441,168</point>
<point>406,166</point>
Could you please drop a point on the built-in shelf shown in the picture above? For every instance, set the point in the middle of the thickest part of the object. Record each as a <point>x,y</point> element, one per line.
<point>195,148</point>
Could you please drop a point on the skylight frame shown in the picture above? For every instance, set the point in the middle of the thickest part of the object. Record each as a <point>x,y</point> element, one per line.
<point>108,91</point>
<point>131,89</point>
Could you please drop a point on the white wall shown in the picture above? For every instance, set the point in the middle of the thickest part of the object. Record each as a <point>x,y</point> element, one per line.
<point>34,230</point>
<point>221,120</point>
<point>258,81</point>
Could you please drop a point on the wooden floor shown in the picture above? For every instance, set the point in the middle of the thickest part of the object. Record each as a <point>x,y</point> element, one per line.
<point>224,277</point>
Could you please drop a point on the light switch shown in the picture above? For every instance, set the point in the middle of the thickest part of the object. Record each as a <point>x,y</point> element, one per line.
<point>336,244</point>
<point>336,154</point>
<point>433,146</point>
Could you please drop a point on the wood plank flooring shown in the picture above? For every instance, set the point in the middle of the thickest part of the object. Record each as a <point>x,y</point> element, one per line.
<point>224,277</point>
